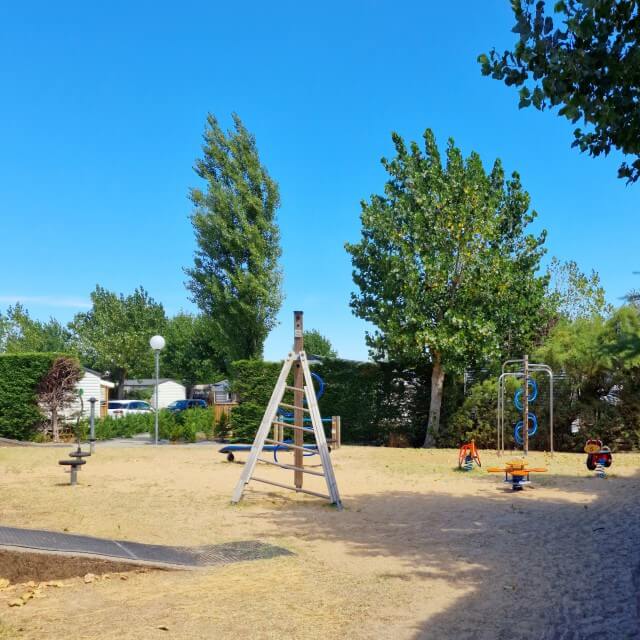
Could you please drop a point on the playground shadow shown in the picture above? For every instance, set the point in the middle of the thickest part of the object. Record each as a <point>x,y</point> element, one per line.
<point>515,564</point>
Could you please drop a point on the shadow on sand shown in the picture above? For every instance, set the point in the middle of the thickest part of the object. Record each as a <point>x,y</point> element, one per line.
<point>539,564</point>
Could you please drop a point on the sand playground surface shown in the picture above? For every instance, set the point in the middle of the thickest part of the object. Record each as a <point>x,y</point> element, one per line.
<point>421,550</point>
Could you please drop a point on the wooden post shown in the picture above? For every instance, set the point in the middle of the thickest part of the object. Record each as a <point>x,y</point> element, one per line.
<point>525,405</point>
<point>298,397</point>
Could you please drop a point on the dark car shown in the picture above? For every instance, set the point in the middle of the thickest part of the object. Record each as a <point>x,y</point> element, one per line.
<point>183,405</point>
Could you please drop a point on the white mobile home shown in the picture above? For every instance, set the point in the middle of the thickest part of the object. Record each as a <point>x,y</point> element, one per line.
<point>92,385</point>
<point>168,390</point>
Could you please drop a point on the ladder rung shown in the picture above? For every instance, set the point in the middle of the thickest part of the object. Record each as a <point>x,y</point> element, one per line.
<point>286,445</point>
<point>288,486</point>
<point>293,406</point>
<point>294,388</point>
<point>291,467</point>
<point>286,425</point>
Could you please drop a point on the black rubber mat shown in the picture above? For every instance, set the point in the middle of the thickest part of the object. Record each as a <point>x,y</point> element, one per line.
<point>137,552</point>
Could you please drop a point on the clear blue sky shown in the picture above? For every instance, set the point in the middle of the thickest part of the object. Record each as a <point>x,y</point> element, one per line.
<point>103,108</point>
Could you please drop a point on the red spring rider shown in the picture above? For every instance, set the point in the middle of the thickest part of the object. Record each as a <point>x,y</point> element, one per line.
<point>597,455</point>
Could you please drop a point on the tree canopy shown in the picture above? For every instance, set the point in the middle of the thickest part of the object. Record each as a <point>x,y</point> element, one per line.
<point>315,343</point>
<point>445,269</point>
<point>574,294</point>
<point>191,355</point>
<point>589,68</point>
<point>20,333</point>
<point>114,334</point>
<point>235,279</point>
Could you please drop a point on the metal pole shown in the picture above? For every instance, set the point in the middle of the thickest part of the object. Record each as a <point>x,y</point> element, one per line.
<point>499,414</point>
<point>525,406</point>
<point>92,425</point>
<point>551,409</point>
<point>157,354</point>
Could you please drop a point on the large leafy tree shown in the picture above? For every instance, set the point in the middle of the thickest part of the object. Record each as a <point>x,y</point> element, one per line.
<point>114,334</point>
<point>589,67</point>
<point>20,333</point>
<point>235,279</point>
<point>191,355</point>
<point>444,267</point>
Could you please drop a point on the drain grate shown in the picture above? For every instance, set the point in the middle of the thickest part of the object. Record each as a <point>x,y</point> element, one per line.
<point>154,554</point>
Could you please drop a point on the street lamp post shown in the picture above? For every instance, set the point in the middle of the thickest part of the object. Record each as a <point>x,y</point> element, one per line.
<point>157,344</point>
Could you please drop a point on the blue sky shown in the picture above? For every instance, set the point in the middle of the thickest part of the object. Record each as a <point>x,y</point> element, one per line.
<point>103,109</point>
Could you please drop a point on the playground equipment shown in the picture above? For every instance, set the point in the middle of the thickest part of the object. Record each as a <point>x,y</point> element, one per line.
<point>76,456</point>
<point>278,431</point>
<point>521,400</point>
<point>516,473</point>
<point>599,457</point>
<point>467,455</point>
<point>231,449</point>
<point>302,390</point>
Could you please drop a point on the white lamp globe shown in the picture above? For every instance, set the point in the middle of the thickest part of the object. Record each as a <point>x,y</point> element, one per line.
<point>157,343</point>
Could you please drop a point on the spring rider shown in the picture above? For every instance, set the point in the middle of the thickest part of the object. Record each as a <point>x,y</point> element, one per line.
<point>598,457</point>
<point>468,453</point>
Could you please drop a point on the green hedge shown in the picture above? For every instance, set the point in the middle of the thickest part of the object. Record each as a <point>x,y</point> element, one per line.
<point>20,375</point>
<point>376,402</point>
<point>181,426</point>
<point>253,381</point>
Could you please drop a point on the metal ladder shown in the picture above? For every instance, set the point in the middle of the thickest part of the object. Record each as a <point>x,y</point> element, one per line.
<point>271,418</point>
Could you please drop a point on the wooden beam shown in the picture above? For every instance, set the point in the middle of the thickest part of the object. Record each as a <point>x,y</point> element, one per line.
<point>298,395</point>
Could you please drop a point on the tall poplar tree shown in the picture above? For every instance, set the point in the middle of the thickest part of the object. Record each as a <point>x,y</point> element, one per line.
<point>445,269</point>
<point>235,279</point>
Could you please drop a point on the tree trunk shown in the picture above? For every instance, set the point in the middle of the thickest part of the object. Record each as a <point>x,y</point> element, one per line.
<point>120,385</point>
<point>437,383</point>
<point>54,425</point>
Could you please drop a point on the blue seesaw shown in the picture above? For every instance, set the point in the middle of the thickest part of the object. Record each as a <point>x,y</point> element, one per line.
<point>285,416</point>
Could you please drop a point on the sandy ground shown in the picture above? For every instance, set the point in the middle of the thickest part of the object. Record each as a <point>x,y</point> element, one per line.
<point>421,550</point>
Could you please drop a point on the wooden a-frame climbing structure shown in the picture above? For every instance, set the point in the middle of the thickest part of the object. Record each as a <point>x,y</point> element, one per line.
<point>304,402</point>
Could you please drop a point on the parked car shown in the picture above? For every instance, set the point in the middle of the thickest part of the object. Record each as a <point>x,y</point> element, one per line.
<point>119,408</point>
<point>183,405</point>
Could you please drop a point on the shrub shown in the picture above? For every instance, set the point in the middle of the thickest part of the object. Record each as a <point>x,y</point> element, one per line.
<point>20,375</point>
<point>184,425</point>
<point>124,427</point>
<point>197,420</point>
<point>481,401</point>
<point>222,427</point>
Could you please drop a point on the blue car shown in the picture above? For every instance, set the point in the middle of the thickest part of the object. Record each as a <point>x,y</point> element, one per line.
<point>183,405</point>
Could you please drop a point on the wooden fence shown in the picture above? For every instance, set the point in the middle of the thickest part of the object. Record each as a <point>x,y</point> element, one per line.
<point>223,408</point>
